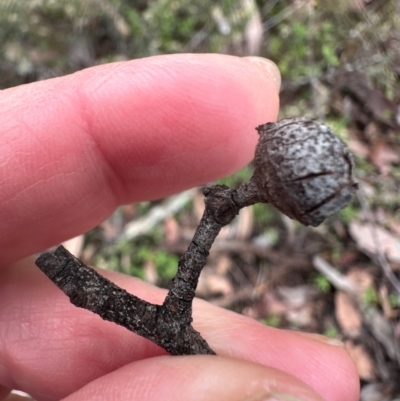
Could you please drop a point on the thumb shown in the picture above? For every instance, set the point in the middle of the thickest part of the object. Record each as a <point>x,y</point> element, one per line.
<point>196,378</point>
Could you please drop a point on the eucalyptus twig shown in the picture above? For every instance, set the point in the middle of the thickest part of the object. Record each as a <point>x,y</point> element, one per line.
<point>89,290</point>
<point>301,167</point>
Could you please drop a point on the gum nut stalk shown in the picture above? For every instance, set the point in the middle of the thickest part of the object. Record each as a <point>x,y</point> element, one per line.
<point>303,169</point>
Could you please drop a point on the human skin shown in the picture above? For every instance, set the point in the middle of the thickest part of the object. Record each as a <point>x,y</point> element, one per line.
<point>72,150</point>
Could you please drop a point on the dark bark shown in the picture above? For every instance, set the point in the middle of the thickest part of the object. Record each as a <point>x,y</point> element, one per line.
<point>301,167</point>
<point>89,290</point>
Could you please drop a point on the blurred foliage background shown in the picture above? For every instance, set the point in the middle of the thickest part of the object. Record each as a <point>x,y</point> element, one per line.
<point>340,63</point>
<point>46,38</point>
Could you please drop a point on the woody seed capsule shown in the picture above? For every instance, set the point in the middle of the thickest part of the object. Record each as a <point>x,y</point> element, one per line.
<point>303,169</point>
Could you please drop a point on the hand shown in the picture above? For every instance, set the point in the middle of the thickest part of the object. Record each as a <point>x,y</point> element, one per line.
<point>74,148</point>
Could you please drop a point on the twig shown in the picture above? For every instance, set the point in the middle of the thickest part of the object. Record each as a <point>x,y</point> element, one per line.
<point>301,167</point>
<point>339,281</point>
<point>380,256</point>
<point>89,290</point>
<point>158,213</point>
<point>377,324</point>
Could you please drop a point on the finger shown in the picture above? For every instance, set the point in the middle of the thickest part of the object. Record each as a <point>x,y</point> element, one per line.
<point>73,148</point>
<point>195,378</point>
<point>42,336</point>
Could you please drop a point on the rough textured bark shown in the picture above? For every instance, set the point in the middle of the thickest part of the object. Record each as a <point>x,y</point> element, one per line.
<point>301,167</point>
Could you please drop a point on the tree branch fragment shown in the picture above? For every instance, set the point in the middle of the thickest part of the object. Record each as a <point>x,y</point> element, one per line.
<point>287,151</point>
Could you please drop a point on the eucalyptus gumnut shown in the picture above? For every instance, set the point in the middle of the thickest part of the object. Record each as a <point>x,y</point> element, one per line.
<point>303,169</point>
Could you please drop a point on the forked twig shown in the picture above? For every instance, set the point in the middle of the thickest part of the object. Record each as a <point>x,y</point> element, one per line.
<point>301,167</point>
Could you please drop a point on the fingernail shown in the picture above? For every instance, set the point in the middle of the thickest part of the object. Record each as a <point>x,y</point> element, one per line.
<point>323,339</point>
<point>270,67</point>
